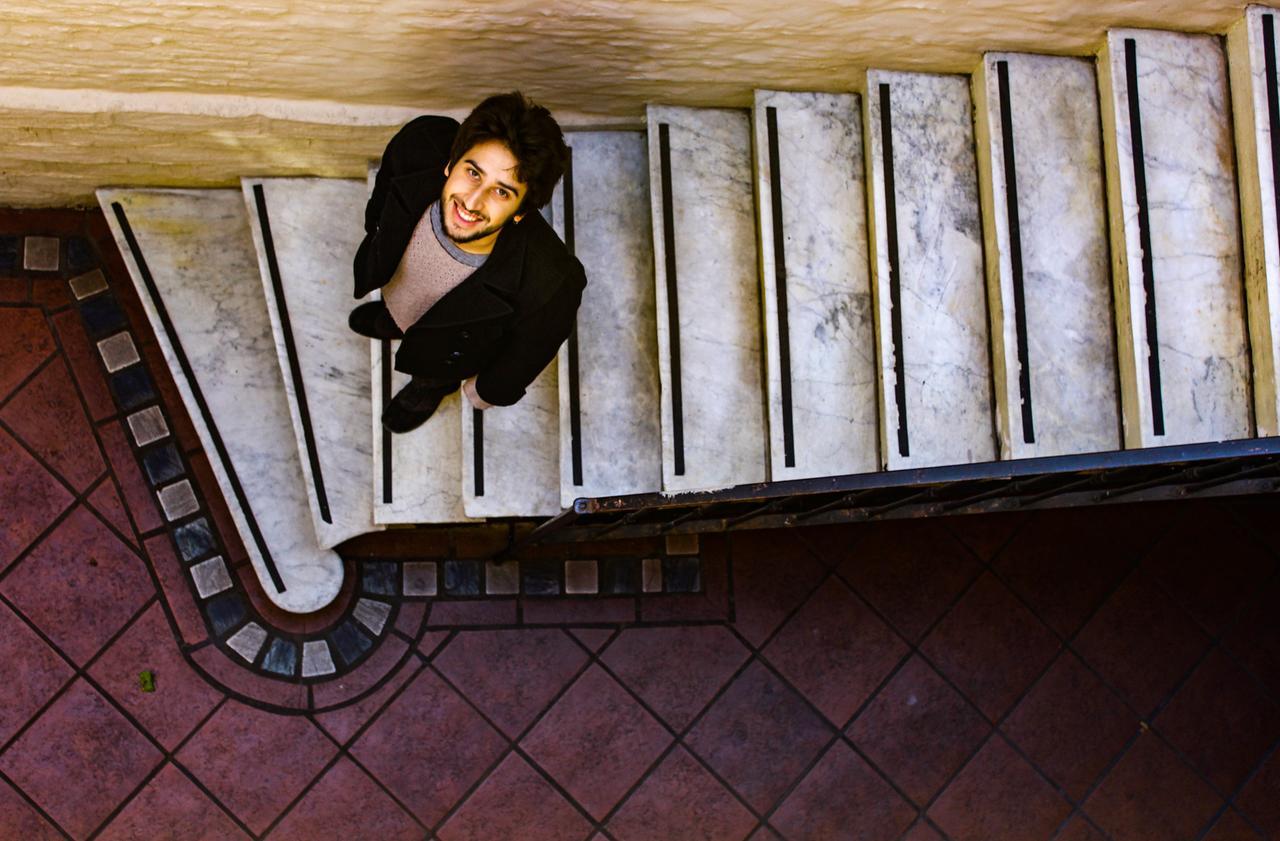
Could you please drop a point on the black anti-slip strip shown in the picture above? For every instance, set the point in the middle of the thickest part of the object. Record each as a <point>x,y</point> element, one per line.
<point>895,282</point>
<point>187,372</point>
<point>387,461</point>
<point>575,399</point>
<point>780,280</point>
<point>291,351</point>
<point>673,308</point>
<point>1015,253</point>
<point>1273,104</point>
<point>1144,235</point>
<point>477,437</point>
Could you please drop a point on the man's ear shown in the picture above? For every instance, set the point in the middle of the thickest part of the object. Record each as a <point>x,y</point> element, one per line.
<point>446,170</point>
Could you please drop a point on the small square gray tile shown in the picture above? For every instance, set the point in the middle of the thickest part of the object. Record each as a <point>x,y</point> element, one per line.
<point>118,351</point>
<point>502,579</point>
<point>682,544</point>
<point>211,577</point>
<point>178,500</point>
<point>40,254</point>
<point>581,577</point>
<point>148,425</point>
<point>89,283</point>
<point>316,659</point>
<point>651,575</point>
<point>247,641</point>
<point>420,578</point>
<point>372,614</point>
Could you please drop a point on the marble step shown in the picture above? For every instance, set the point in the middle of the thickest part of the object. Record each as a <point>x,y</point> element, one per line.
<point>191,256</point>
<point>1048,278</point>
<point>306,231</point>
<point>1176,264</point>
<point>709,342</point>
<point>610,426</point>
<point>927,271</point>
<point>818,325</point>
<point>1252,51</point>
<point>417,476</point>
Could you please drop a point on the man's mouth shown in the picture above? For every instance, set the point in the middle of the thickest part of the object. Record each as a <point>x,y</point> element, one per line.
<point>464,217</point>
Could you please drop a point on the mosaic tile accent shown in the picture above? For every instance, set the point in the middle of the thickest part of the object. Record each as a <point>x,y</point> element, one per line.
<point>248,641</point>
<point>211,577</point>
<point>162,464</point>
<point>501,579</point>
<point>581,577</point>
<point>316,659</point>
<point>87,284</point>
<point>178,500</point>
<point>420,578</point>
<point>194,539</point>
<point>372,614</point>
<point>148,426</point>
<point>118,352</point>
<point>652,580</point>
<point>282,658</point>
<point>41,254</point>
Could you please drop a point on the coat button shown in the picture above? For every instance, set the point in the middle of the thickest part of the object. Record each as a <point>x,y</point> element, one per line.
<point>464,335</point>
<point>455,355</point>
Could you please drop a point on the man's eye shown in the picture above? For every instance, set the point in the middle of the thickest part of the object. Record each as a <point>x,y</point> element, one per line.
<point>472,173</point>
<point>502,194</point>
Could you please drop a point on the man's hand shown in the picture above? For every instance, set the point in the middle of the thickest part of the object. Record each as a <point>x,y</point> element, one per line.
<point>469,389</point>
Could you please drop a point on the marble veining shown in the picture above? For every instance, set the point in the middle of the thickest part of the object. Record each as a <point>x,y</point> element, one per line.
<point>944,318</point>
<point>831,330</point>
<point>199,248</point>
<point>1061,200</point>
<point>316,226</point>
<point>521,463</point>
<point>1188,156</point>
<point>719,308</point>
<point>621,438</point>
<point>1246,59</point>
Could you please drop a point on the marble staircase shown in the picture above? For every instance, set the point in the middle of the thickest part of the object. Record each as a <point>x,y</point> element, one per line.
<point>1046,257</point>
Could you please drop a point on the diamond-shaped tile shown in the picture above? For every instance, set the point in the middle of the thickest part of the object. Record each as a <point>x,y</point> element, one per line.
<point>79,739</point>
<point>118,351</point>
<point>42,672</point>
<point>347,803</point>
<point>80,584</point>
<point>344,722</point>
<point>998,795</point>
<point>677,671</point>
<point>984,534</point>
<point>1254,639</point>
<point>47,415</point>
<point>25,343</point>
<point>181,698</point>
<point>33,499</point>
<point>1232,827</point>
<point>990,646</point>
<point>1221,722</point>
<point>41,254</point>
<point>428,747</point>
<point>1141,642</point>
<point>84,364</point>
<point>89,283</point>
<point>759,736</point>
<point>1260,797</point>
<point>910,575</point>
<point>681,800</point>
<point>842,797</point>
<point>596,741</point>
<point>836,651</point>
<point>171,806</point>
<point>106,501</point>
<point>285,752</point>
<point>771,576</point>
<point>919,730</point>
<point>1071,725</point>
<point>511,676</point>
<point>515,802</point>
<point>1151,794</point>
<point>1078,828</point>
<point>21,820</point>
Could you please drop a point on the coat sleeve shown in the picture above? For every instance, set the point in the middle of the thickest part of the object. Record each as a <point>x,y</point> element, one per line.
<point>532,345</point>
<point>422,142</point>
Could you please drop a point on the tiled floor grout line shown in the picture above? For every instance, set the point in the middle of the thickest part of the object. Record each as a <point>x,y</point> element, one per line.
<point>1230,804</point>
<point>45,363</point>
<point>57,827</point>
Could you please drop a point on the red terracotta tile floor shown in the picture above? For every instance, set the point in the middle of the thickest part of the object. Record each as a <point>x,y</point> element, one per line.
<point>1088,674</point>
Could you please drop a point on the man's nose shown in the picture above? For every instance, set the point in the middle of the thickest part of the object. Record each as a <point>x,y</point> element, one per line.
<point>473,196</point>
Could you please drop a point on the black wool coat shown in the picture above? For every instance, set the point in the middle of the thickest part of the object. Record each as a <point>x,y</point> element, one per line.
<point>502,324</point>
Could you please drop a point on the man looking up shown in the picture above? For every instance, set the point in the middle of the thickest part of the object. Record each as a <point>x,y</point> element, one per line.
<point>474,282</point>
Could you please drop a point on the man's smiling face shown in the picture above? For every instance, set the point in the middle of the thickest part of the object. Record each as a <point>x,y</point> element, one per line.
<point>480,195</point>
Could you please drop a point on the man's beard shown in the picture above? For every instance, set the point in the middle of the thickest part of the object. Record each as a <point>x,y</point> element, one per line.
<point>472,236</point>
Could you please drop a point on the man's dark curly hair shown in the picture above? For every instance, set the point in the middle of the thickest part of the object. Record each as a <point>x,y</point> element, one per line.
<point>529,131</point>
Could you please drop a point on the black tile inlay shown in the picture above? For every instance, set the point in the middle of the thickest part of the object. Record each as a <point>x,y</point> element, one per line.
<point>349,642</point>
<point>462,578</point>
<point>682,575</point>
<point>225,612</point>
<point>10,252</point>
<point>619,575</point>
<point>132,387</point>
<point>282,658</point>
<point>540,578</point>
<point>194,539</point>
<point>162,464</point>
<point>79,255</point>
<point>102,315</point>
<point>381,578</point>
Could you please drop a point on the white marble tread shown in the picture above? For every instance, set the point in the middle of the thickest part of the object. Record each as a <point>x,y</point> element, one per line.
<point>199,249</point>
<point>1194,228</point>
<point>619,391</point>
<point>717,299</point>
<point>316,224</point>
<point>1061,217</point>
<point>943,302</point>
<point>830,328</point>
<point>1257,171</point>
